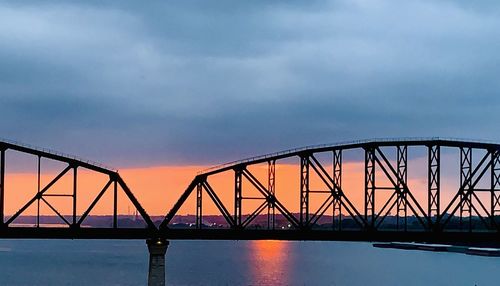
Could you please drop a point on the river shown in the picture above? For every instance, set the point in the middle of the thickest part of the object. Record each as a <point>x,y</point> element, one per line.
<point>120,262</point>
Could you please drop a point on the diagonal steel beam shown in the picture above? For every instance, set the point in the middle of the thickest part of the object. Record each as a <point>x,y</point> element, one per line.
<point>337,192</point>
<point>483,220</point>
<point>399,182</point>
<point>38,195</point>
<point>55,210</point>
<point>253,215</point>
<point>483,207</point>
<point>321,210</point>
<point>185,195</point>
<point>94,202</point>
<point>396,184</point>
<point>218,203</point>
<point>383,212</point>
<point>466,183</point>
<point>134,201</point>
<point>281,208</point>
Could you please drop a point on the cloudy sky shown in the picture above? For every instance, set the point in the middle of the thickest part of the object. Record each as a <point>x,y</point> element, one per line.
<point>193,82</point>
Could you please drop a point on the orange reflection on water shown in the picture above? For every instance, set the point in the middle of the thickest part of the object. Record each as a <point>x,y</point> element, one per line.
<point>270,261</point>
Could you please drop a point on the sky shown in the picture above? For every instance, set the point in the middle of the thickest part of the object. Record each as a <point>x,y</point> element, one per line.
<point>191,82</point>
<point>180,85</point>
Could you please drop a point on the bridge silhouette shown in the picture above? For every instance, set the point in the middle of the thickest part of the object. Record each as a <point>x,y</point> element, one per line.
<point>470,217</point>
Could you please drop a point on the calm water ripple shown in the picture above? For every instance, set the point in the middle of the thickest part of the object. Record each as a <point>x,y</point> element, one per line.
<point>116,262</point>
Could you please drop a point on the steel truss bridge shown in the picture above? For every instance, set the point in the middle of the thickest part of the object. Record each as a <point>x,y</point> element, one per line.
<point>469,216</point>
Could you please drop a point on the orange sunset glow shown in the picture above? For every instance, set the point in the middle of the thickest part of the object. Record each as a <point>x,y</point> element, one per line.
<point>273,256</point>
<point>158,188</point>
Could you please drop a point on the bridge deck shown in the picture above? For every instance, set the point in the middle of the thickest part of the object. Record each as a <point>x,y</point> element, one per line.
<point>77,233</point>
<point>491,239</point>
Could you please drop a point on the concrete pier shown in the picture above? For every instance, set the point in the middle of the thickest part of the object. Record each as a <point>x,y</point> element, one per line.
<point>157,249</point>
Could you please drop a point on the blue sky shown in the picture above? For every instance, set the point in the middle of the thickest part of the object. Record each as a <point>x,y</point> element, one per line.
<point>192,82</point>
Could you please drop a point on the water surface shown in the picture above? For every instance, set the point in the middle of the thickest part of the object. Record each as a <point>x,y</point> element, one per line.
<point>120,262</point>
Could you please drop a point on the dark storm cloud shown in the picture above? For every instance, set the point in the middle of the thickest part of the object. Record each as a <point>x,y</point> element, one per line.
<point>199,82</point>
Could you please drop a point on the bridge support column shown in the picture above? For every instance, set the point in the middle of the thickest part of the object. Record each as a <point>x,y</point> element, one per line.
<point>157,249</point>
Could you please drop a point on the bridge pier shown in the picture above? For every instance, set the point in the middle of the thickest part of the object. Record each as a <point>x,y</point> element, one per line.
<point>157,249</point>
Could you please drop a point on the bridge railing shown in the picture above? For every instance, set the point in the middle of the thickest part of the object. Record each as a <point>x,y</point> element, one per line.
<point>343,145</point>
<point>37,149</point>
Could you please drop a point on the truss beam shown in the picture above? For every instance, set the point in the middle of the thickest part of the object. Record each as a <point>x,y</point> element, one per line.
<point>495,187</point>
<point>370,186</point>
<point>337,181</point>
<point>271,186</point>
<point>402,174</point>
<point>304,190</point>
<point>433,184</point>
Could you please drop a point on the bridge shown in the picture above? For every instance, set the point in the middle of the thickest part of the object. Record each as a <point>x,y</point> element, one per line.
<point>388,210</point>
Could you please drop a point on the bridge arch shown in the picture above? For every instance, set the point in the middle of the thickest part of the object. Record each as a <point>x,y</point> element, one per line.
<point>472,212</point>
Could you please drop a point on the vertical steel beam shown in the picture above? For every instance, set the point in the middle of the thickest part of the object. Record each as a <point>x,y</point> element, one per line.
<point>337,181</point>
<point>402,171</point>
<point>370,186</point>
<point>271,185</point>
<point>238,197</point>
<point>74,194</point>
<point>433,183</point>
<point>2,186</point>
<point>495,185</point>
<point>38,191</point>
<point>465,177</point>
<point>115,203</point>
<point>304,190</point>
<point>199,205</point>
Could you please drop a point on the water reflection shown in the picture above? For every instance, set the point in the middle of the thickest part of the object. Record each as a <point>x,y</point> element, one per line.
<point>270,262</point>
<point>240,263</point>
